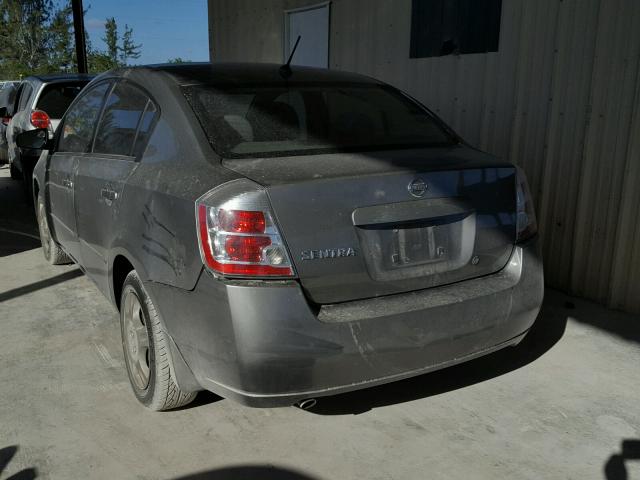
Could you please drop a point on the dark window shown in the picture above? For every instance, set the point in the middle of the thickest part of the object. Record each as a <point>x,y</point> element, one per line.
<point>445,27</point>
<point>7,96</point>
<point>56,98</point>
<point>122,113</point>
<point>305,119</point>
<point>80,120</point>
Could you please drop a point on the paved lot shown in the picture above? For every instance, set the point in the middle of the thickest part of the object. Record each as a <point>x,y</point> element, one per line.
<point>565,404</point>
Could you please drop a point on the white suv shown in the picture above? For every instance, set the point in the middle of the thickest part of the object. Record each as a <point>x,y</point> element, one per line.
<point>40,102</point>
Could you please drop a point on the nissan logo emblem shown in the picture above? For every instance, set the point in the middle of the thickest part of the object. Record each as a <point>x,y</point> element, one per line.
<point>417,187</point>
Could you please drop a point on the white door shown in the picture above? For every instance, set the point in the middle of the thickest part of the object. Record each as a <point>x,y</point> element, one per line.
<point>312,24</point>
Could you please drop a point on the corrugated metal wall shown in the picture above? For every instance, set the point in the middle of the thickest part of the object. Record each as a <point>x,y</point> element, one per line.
<point>561,98</point>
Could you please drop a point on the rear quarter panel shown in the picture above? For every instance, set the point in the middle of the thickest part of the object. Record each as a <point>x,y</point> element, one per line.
<point>156,227</point>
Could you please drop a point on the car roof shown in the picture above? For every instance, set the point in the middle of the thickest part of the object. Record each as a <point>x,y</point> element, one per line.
<point>249,73</point>
<point>59,77</point>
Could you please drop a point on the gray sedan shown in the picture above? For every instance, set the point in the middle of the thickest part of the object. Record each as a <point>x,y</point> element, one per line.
<point>277,236</point>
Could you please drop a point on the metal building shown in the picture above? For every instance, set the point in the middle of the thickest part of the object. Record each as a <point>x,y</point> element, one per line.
<point>560,97</point>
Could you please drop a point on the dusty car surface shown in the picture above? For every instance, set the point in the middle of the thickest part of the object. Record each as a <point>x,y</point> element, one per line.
<point>278,236</point>
<point>40,102</point>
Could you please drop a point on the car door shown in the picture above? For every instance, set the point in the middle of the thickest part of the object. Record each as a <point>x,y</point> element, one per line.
<point>74,141</point>
<point>121,135</point>
<point>16,124</point>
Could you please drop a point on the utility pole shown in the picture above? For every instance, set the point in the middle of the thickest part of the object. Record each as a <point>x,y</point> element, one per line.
<point>78,28</point>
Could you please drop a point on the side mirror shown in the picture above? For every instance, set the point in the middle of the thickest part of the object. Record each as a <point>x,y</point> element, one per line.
<point>34,139</point>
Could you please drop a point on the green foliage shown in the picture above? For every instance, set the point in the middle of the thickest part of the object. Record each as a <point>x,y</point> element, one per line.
<point>99,61</point>
<point>129,49</point>
<point>36,37</point>
<point>23,42</point>
<point>178,60</point>
<point>62,56</point>
<point>111,40</point>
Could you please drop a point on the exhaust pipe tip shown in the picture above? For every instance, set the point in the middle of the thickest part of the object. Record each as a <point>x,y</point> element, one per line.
<point>306,404</point>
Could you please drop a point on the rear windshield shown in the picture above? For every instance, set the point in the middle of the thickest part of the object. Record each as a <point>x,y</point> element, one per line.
<point>56,97</point>
<point>263,121</point>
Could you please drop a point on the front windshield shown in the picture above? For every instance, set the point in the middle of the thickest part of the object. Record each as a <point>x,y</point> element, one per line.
<point>303,119</point>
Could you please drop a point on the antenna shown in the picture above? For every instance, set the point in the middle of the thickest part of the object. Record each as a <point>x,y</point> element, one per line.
<point>285,70</point>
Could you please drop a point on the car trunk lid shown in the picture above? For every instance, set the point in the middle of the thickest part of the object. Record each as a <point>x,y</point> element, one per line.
<point>366,225</point>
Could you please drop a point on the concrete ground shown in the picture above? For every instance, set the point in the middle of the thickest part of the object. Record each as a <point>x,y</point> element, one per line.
<point>564,404</point>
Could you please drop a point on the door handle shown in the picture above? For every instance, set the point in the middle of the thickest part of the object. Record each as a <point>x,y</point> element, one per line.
<point>67,183</point>
<point>109,195</point>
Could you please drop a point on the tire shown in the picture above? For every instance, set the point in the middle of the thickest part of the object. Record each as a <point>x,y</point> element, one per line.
<point>146,350</point>
<point>15,173</point>
<point>50,249</point>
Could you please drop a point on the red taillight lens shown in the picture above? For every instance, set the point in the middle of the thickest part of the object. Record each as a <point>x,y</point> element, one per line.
<point>241,221</point>
<point>40,119</point>
<point>6,120</point>
<point>245,249</point>
<point>240,241</point>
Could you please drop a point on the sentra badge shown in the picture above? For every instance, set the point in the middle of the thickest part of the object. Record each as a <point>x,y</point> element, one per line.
<point>327,253</point>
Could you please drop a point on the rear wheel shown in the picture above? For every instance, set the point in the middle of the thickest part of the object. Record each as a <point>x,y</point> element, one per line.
<point>51,250</point>
<point>146,350</point>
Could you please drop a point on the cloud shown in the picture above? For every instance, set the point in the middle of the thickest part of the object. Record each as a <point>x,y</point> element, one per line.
<point>94,24</point>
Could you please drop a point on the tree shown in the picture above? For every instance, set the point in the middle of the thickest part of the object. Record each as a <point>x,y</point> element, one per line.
<point>62,54</point>
<point>111,40</point>
<point>178,60</point>
<point>24,36</point>
<point>129,49</point>
<point>36,36</point>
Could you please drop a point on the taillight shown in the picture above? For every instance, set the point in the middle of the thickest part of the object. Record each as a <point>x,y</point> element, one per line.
<point>527,226</point>
<point>237,234</point>
<point>40,119</point>
<point>6,120</point>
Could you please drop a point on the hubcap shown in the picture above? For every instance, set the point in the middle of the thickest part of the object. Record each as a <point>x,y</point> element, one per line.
<point>136,340</point>
<point>45,236</point>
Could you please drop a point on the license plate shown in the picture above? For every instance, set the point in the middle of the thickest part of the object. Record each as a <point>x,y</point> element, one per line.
<point>418,245</point>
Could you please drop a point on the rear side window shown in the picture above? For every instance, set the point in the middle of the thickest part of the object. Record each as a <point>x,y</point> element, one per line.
<point>144,131</point>
<point>123,112</point>
<point>80,120</point>
<point>56,98</point>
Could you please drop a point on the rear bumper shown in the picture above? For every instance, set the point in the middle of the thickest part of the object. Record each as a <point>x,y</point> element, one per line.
<point>263,344</point>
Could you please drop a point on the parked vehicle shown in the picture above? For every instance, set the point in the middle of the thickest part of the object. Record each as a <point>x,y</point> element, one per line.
<point>7,95</point>
<point>40,102</point>
<point>8,83</point>
<point>277,236</point>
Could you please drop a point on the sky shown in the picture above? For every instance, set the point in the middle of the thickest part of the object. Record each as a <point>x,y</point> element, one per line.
<point>165,28</point>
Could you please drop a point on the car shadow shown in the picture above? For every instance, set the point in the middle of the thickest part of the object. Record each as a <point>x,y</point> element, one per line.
<point>35,286</point>
<point>203,398</point>
<point>18,226</point>
<point>12,242</point>
<point>615,468</point>
<point>6,454</point>
<point>620,324</point>
<point>546,332</point>
<point>253,472</point>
